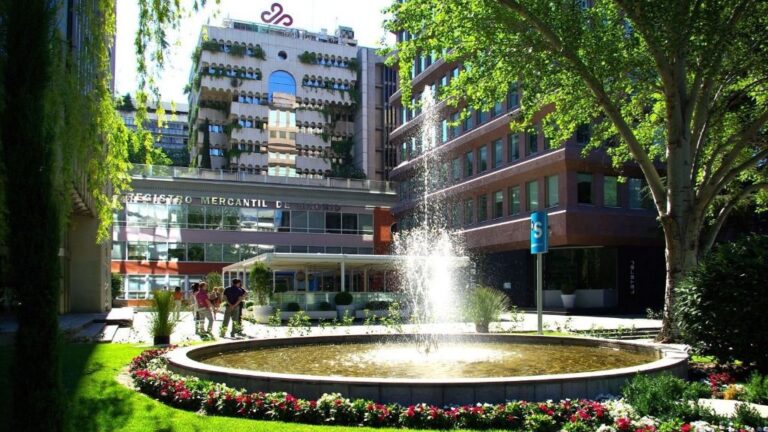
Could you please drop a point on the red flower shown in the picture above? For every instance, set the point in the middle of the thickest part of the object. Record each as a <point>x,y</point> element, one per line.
<point>686,428</point>
<point>623,423</point>
<point>411,411</point>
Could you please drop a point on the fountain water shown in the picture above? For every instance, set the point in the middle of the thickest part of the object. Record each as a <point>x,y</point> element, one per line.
<point>430,278</point>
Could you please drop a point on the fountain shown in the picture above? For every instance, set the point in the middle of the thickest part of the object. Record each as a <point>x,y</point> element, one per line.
<point>424,365</point>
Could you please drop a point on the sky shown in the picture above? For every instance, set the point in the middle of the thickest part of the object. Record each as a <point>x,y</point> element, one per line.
<point>364,16</point>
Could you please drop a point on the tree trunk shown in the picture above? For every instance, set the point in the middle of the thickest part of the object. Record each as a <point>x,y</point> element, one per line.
<point>29,149</point>
<point>681,257</point>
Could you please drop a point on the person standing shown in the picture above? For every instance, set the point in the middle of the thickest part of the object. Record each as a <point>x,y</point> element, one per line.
<point>193,303</point>
<point>177,298</point>
<point>233,297</point>
<point>204,308</point>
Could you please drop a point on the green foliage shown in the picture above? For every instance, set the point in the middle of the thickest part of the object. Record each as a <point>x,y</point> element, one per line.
<point>142,149</point>
<point>126,103</point>
<point>214,280</point>
<point>347,319</point>
<point>161,323</point>
<point>259,278</point>
<point>540,423</point>
<point>485,305</point>
<point>665,396</point>
<point>299,323</point>
<point>116,284</point>
<point>274,319</point>
<point>377,305</point>
<point>237,50</point>
<point>343,298</point>
<point>308,57</point>
<point>211,46</point>
<point>353,65</point>
<point>258,52</point>
<point>745,415</point>
<point>719,303</point>
<point>325,306</point>
<point>756,389</point>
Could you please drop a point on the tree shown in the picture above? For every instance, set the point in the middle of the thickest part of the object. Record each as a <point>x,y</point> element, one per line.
<point>679,88</point>
<point>258,281</point>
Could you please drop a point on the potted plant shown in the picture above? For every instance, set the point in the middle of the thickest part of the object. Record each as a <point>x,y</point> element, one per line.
<point>568,295</point>
<point>117,290</point>
<point>484,306</point>
<point>324,311</point>
<point>258,282</point>
<point>289,311</point>
<point>343,302</point>
<point>160,320</point>
<point>374,308</point>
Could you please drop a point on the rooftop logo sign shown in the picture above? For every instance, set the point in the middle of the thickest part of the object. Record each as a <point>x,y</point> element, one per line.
<point>276,16</point>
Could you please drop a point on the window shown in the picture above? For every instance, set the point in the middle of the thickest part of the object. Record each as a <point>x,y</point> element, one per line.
<point>552,191</point>
<point>498,204</point>
<point>496,110</point>
<point>610,191</point>
<point>213,252</point>
<point>455,170</point>
<point>638,195</point>
<point>231,253</point>
<point>468,164</point>
<point>469,121</point>
<point>455,73</point>
<point>513,97</point>
<point>196,252</point>
<point>482,117</point>
<point>316,222</point>
<point>443,130</point>
<point>513,144</point>
<point>584,188</point>
<point>468,211</point>
<point>213,218</point>
<point>498,153</point>
<point>138,251</point>
<point>533,143</point>
<point>118,250</point>
<point>177,252</point>
<point>583,134</point>
<point>281,82</point>
<point>365,223</point>
<point>532,196</point>
<point>456,128</point>
<point>333,223</point>
<point>299,221</point>
<point>349,223</point>
<point>482,159</point>
<point>482,208</point>
<point>514,200</point>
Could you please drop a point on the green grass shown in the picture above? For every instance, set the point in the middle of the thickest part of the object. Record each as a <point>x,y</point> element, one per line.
<point>97,402</point>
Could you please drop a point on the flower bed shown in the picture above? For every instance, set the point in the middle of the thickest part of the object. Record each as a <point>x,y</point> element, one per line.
<point>151,377</point>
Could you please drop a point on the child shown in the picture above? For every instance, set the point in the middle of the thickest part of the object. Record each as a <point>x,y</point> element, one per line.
<point>177,298</point>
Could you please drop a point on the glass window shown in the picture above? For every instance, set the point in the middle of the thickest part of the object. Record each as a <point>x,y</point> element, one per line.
<point>365,221</point>
<point>584,188</point>
<point>610,191</point>
<point>513,97</point>
<point>455,219</point>
<point>443,130</point>
<point>469,121</point>
<point>299,249</point>
<point>349,250</point>
<point>333,223</point>
<point>514,200</point>
<point>283,82</point>
<point>349,223</point>
<point>138,250</point>
<point>553,198</point>
<point>213,252</point>
<point>482,208</point>
<point>513,144</point>
<point>158,251</point>
<point>231,253</point>
<point>316,222</point>
<point>455,129</point>
<point>532,196</point>
<point>469,216</point>
<point>177,251</point>
<point>533,143</point>
<point>299,221</point>
<point>133,215</point>
<point>583,134</point>
<point>135,287</point>
<point>316,249</point>
<point>282,220</point>
<point>468,164</point>
<point>496,110</point>
<point>196,252</point>
<point>638,195</point>
<point>177,216</point>
<point>249,219</point>
<point>482,159</point>
<point>455,169</point>
<point>213,217</point>
<point>482,117</point>
<point>118,250</point>
<point>498,153</point>
<point>498,204</point>
<point>231,219</point>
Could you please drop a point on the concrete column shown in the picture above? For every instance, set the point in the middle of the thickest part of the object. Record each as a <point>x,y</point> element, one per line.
<point>89,267</point>
<point>274,281</point>
<point>365,280</point>
<point>343,281</point>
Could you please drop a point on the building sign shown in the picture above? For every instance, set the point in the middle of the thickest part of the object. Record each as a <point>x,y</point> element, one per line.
<point>167,199</point>
<point>539,233</point>
<point>276,16</point>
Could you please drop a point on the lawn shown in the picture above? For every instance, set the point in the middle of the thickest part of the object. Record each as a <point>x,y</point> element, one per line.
<point>100,403</point>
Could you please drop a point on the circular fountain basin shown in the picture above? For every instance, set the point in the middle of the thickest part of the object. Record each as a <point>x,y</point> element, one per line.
<point>466,368</point>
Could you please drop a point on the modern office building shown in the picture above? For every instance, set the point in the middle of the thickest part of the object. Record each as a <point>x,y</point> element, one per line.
<point>276,101</point>
<point>172,136</point>
<point>178,224</point>
<point>604,237</point>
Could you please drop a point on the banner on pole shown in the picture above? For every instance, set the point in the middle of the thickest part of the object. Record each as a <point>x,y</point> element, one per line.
<point>539,233</point>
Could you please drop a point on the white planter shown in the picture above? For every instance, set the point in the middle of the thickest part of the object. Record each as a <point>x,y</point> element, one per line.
<point>321,315</point>
<point>340,310</point>
<point>569,300</point>
<point>365,313</point>
<point>285,316</point>
<point>261,313</point>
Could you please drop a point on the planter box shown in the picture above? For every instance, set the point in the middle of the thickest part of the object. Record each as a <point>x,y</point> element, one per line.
<point>321,315</point>
<point>365,313</point>
<point>340,310</point>
<point>261,313</point>
<point>585,298</point>
<point>285,316</point>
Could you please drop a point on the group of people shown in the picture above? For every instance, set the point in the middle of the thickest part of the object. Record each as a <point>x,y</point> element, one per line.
<point>205,305</point>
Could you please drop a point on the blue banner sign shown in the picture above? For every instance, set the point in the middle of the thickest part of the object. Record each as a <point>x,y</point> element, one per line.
<point>539,233</point>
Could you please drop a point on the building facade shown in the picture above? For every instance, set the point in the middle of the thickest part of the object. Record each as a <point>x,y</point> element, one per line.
<point>178,224</point>
<point>275,101</point>
<point>604,237</point>
<point>171,135</point>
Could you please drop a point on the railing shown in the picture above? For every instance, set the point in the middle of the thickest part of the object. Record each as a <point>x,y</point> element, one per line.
<point>165,172</point>
<point>310,300</point>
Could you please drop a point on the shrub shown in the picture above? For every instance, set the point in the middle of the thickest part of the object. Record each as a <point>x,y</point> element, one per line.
<point>325,306</point>
<point>160,317</point>
<point>756,389</point>
<point>720,301</point>
<point>485,305</point>
<point>343,299</point>
<point>213,279</point>
<point>116,285</point>
<point>665,396</point>
<point>377,305</point>
<point>292,307</point>
<point>258,281</point>
<point>745,415</point>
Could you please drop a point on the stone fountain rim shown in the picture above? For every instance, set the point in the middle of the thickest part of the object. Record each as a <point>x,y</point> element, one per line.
<point>180,361</point>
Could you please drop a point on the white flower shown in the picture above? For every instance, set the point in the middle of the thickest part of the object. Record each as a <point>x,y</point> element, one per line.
<point>606,428</point>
